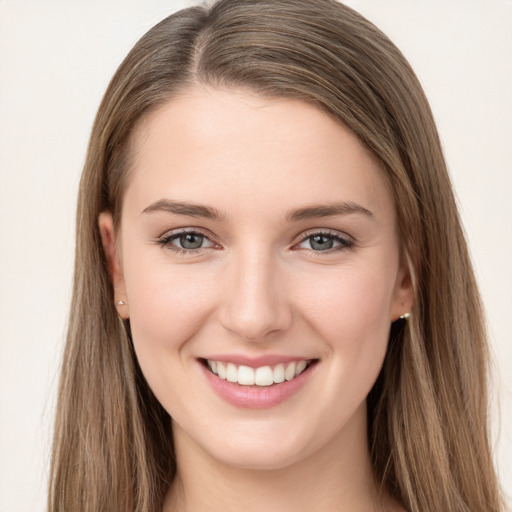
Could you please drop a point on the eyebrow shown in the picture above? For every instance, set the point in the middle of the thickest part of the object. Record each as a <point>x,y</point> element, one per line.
<point>327,210</point>
<point>306,213</point>
<point>189,209</point>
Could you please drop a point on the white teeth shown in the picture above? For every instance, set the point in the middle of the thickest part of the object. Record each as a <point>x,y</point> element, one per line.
<point>262,376</point>
<point>300,367</point>
<point>231,373</point>
<point>279,373</point>
<point>245,376</point>
<point>213,366</point>
<point>221,370</point>
<point>289,373</point>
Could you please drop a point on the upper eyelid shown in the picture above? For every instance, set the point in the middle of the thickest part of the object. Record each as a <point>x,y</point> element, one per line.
<point>180,231</point>
<point>329,232</point>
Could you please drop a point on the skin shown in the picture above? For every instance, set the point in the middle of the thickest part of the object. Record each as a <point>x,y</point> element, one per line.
<point>257,286</point>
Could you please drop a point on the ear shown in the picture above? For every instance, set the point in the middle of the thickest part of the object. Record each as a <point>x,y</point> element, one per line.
<point>403,298</point>
<point>108,239</point>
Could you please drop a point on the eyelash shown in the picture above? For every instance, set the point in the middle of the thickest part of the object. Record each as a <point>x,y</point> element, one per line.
<point>344,242</point>
<point>166,241</point>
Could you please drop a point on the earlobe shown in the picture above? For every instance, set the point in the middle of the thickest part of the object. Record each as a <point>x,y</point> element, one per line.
<point>404,293</point>
<point>108,240</point>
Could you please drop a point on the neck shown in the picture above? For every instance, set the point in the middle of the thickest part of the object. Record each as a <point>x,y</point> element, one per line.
<point>337,477</point>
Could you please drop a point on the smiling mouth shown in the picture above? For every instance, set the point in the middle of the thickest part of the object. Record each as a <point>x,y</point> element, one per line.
<point>262,376</point>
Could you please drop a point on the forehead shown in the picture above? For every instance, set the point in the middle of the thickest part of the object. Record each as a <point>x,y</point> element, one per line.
<point>225,146</point>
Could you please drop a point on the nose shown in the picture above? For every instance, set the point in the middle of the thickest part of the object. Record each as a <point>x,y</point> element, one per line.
<point>254,303</point>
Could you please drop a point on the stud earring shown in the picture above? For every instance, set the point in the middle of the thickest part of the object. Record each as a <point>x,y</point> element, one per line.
<point>120,303</point>
<point>405,316</point>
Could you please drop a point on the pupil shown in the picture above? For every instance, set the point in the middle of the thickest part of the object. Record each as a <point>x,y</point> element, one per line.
<point>321,242</point>
<point>191,241</point>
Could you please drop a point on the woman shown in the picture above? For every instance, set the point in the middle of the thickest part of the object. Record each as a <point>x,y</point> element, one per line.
<point>273,306</point>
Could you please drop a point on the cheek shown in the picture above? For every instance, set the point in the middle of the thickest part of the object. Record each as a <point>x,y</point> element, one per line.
<point>355,297</point>
<point>168,305</point>
<point>352,316</point>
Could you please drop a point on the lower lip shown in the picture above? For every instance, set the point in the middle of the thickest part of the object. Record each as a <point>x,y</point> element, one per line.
<point>256,397</point>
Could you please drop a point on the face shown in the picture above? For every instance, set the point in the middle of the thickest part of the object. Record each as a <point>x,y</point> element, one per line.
<point>259,259</point>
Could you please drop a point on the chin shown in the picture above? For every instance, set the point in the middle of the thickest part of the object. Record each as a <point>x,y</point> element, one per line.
<point>265,446</point>
<point>251,458</point>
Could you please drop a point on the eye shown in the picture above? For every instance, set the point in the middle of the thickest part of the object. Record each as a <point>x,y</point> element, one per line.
<point>186,241</point>
<point>189,241</point>
<point>325,242</point>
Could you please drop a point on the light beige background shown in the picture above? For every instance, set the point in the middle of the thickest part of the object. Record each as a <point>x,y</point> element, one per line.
<point>56,58</point>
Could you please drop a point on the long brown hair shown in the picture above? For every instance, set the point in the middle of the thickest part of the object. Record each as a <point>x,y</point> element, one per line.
<point>427,413</point>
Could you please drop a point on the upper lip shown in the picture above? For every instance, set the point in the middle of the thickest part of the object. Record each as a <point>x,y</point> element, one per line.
<point>256,362</point>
